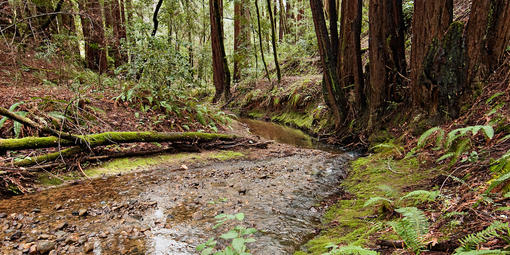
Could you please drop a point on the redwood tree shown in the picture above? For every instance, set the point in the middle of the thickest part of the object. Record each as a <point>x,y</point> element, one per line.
<point>334,94</point>
<point>93,33</point>
<point>350,70</point>
<point>273,41</point>
<point>241,37</point>
<point>221,73</point>
<point>386,56</point>
<point>431,20</point>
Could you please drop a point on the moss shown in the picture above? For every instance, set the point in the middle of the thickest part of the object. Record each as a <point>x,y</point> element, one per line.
<point>125,165</point>
<point>346,222</point>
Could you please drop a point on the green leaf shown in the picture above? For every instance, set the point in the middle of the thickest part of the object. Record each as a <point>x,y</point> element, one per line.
<point>200,247</point>
<point>248,231</point>
<point>489,131</point>
<point>230,235</point>
<point>240,216</point>
<point>238,245</point>
<point>207,251</point>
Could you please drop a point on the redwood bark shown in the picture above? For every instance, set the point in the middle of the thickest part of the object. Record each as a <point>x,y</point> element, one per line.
<point>241,38</point>
<point>259,32</point>
<point>350,69</point>
<point>93,32</point>
<point>431,20</point>
<point>221,73</point>
<point>386,56</point>
<point>487,36</point>
<point>334,94</point>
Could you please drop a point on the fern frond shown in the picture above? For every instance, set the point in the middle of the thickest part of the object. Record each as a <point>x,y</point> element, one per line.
<point>405,230</point>
<point>471,241</point>
<point>351,250</point>
<point>482,252</point>
<point>416,218</point>
<point>378,200</point>
<point>421,195</point>
<point>424,137</point>
<point>497,182</point>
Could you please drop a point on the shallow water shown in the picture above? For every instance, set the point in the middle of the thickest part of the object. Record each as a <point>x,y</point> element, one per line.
<point>164,211</point>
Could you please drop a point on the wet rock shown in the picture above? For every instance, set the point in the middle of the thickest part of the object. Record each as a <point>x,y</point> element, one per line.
<point>61,226</point>
<point>17,235</point>
<point>3,215</point>
<point>82,212</point>
<point>88,247</point>
<point>45,246</point>
<point>44,236</point>
<point>32,249</point>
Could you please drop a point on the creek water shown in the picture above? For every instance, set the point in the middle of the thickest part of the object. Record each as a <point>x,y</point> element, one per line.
<point>167,210</point>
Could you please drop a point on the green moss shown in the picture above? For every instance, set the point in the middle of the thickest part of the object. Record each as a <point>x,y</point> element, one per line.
<point>124,165</point>
<point>227,155</point>
<point>346,222</point>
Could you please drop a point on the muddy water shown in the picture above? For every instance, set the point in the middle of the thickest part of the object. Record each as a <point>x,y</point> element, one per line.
<point>168,210</point>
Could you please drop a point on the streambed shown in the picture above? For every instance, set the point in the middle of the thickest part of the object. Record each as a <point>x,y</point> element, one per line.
<point>168,209</point>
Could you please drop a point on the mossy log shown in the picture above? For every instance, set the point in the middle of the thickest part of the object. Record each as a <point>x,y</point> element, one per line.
<point>108,138</point>
<point>30,161</point>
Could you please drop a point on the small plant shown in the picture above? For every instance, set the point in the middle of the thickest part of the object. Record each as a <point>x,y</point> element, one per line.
<point>239,236</point>
<point>470,243</point>
<point>349,250</point>
<point>17,126</point>
<point>411,228</point>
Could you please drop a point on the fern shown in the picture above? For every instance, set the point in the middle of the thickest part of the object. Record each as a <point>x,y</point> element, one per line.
<point>482,252</point>
<point>349,250</point>
<point>411,228</point>
<point>379,201</point>
<point>424,137</point>
<point>453,135</point>
<point>497,182</point>
<point>421,195</point>
<point>471,242</point>
<point>404,229</point>
<point>417,219</point>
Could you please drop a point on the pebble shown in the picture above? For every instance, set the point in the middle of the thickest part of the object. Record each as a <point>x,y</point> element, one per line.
<point>58,207</point>
<point>33,249</point>
<point>44,236</point>
<point>88,247</point>
<point>36,210</point>
<point>82,212</point>
<point>3,215</point>
<point>45,246</point>
<point>61,226</point>
<point>16,235</point>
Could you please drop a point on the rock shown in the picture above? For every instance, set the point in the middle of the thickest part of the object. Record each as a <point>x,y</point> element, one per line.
<point>103,235</point>
<point>17,235</point>
<point>32,249</point>
<point>61,226</point>
<point>82,212</point>
<point>82,240</point>
<point>3,215</point>
<point>58,207</point>
<point>36,210</point>
<point>44,236</point>
<point>72,239</point>
<point>53,252</point>
<point>45,246</point>
<point>88,247</point>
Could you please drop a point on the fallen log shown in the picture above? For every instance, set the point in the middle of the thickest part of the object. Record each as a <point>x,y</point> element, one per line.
<point>47,130</point>
<point>108,138</point>
<point>102,139</point>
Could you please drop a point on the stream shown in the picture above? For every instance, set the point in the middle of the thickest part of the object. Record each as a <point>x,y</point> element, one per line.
<point>170,209</point>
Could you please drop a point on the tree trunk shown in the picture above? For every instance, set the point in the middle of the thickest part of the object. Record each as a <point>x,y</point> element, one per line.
<point>281,30</point>
<point>487,36</point>
<point>334,94</point>
<point>386,56</point>
<point>221,73</point>
<point>93,33</point>
<point>431,20</point>
<point>155,18</point>
<point>259,32</point>
<point>350,70</point>
<point>241,38</point>
<point>119,32</point>
<point>273,41</point>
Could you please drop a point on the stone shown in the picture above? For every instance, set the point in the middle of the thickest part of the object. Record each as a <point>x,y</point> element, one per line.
<point>36,210</point>
<point>16,235</point>
<point>45,246</point>
<point>82,212</point>
<point>61,226</point>
<point>3,215</point>
<point>32,249</point>
<point>58,207</point>
<point>88,247</point>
